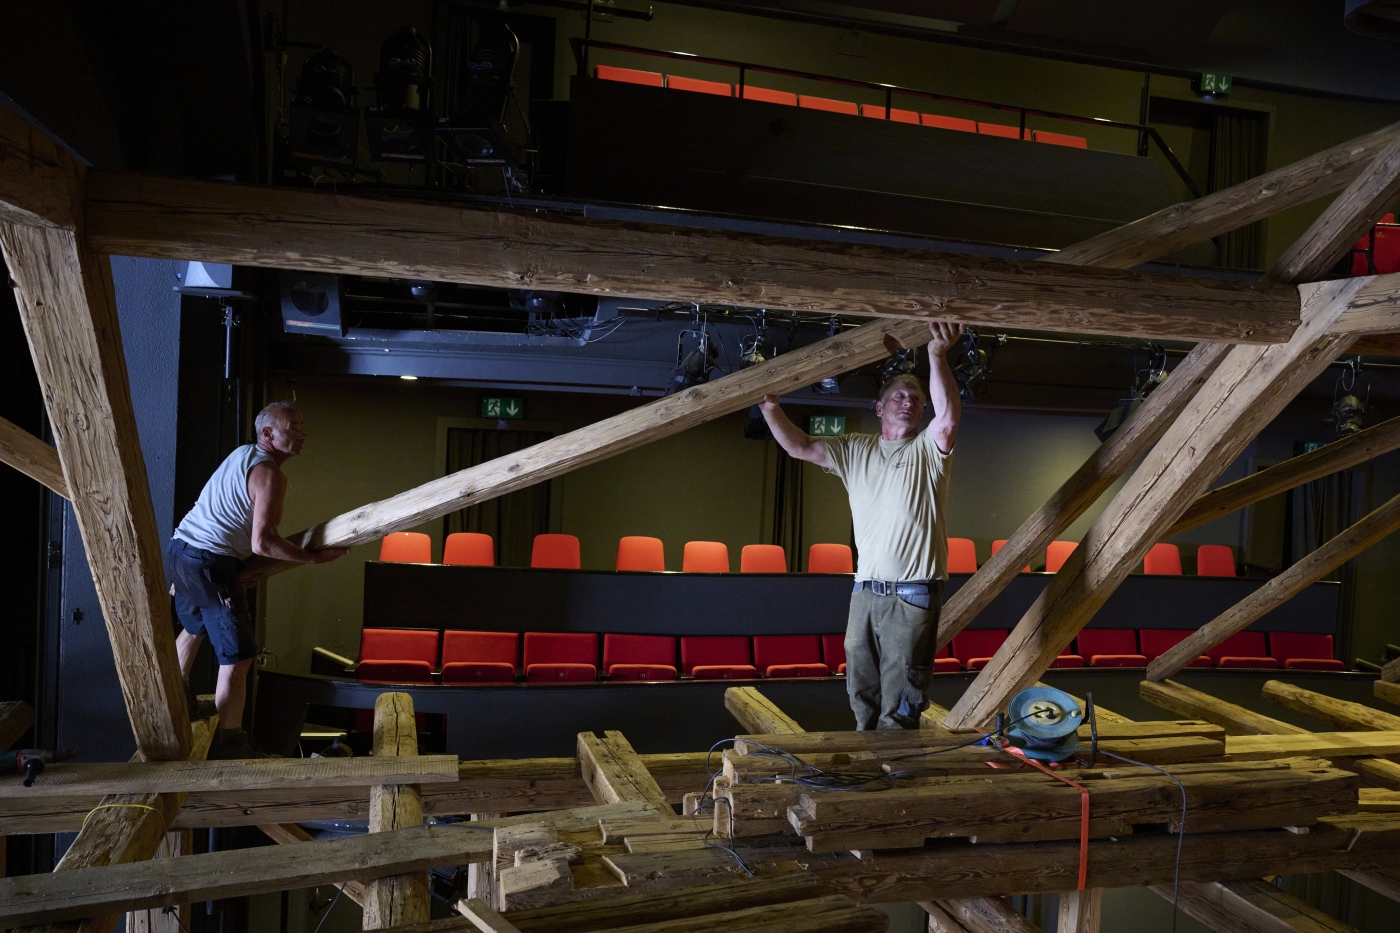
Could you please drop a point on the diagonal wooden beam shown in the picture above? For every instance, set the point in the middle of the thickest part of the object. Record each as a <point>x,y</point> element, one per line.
<point>1339,714</point>
<point>36,175</point>
<point>32,457</point>
<point>1250,907</point>
<point>983,915</point>
<point>290,834</point>
<point>615,773</point>
<point>758,714</point>
<point>16,716</point>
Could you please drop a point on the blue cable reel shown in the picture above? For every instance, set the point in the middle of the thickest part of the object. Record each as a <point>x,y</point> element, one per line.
<point>1044,723</point>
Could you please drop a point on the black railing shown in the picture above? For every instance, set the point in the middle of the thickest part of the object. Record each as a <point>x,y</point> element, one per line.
<point>582,46</point>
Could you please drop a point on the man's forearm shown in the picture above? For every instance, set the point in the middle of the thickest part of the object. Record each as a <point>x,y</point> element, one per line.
<point>279,548</point>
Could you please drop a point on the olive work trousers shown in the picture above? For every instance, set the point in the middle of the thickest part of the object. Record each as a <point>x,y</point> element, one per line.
<point>885,636</point>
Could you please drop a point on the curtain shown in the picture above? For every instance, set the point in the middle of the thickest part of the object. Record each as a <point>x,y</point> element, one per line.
<point>787,508</point>
<point>1237,153</point>
<point>514,519</point>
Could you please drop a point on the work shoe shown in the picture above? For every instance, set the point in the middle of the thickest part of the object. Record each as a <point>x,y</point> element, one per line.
<point>199,707</point>
<point>236,747</point>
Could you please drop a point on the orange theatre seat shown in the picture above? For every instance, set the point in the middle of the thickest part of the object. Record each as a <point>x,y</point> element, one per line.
<point>469,549</point>
<point>826,103</point>
<point>555,657</point>
<point>629,76</point>
<point>1304,651</point>
<point>830,558</point>
<point>997,546</point>
<point>1157,641</point>
<point>705,557</point>
<point>962,555</point>
<point>479,657</point>
<point>639,553</point>
<point>716,657</point>
<point>1162,560</point>
<point>397,655</point>
<point>1110,647</point>
<point>1056,553</point>
<point>718,88</point>
<point>1060,139</point>
<point>763,558</point>
<point>1215,560</point>
<point>999,129</point>
<point>1243,649</point>
<point>789,656</point>
<point>974,647</point>
<point>639,657</point>
<point>555,552</point>
<point>948,123</point>
<point>769,96</point>
<point>834,652</point>
<point>406,547</point>
<point>945,663</point>
<point>896,115</point>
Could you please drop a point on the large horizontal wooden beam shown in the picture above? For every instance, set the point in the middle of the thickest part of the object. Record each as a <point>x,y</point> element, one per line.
<point>321,231</point>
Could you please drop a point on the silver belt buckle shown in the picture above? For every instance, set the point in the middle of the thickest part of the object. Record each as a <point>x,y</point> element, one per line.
<point>881,587</point>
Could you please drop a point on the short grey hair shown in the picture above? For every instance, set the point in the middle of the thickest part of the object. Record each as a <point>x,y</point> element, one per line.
<point>907,379</point>
<point>274,414</point>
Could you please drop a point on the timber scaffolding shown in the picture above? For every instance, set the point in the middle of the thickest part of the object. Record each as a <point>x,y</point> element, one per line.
<point>594,842</point>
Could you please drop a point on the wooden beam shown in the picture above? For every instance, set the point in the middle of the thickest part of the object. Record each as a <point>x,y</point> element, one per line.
<point>1340,454</point>
<point>1374,309</point>
<point>1278,590</point>
<point>32,457</point>
<point>822,915</point>
<point>1390,671</point>
<point>1387,691</point>
<point>615,773</point>
<point>1339,714</point>
<point>137,215</point>
<point>1185,224</point>
<point>1080,911</point>
<point>758,714</point>
<point>36,175</point>
<point>1236,720</point>
<point>484,918</point>
<point>1250,907</point>
<point>1384,881</point>
<point>939,920</point>
<point>286,834</point>
<point>16,716</point>
<point>402,897</point>
<point>1313,745</point>
<point>985,915</point>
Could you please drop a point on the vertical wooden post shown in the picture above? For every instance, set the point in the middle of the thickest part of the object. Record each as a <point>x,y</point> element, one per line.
<point>397,899</point>
<point>1080,911</point>
<point>165,920</point>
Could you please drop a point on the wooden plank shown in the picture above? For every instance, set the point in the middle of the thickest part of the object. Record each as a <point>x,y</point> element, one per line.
<point>154,777</point>
<point>32,457</point>
<point>1235,719</point>
<point>939,920</point>
<point>291,834</point>
<point>136,215</point>
<point>808,743</point>
<point>90,892</point>
<point>1080,911</point>
<point>1378,800</point>
<point>1314,565</point>
<point>1250,907</point>
<point>1390,671</point>
<point>16,716</point>
<point>673,869</point>
<point>757,713</point>
<point>37,175</point>
<point>1313,744</point>
<point>987,915</point>
<point>824,915</point>
<point>1374,309</point>
<point>167,919</point>
<point>1340,714</point>
<point>1340,454</point>
<point>1384,881</point>
<point>1182,225</point>
<point>1387,691</point>
<point>615,773</point>
<point>484,918</point>
<point>402,897</point>
<point>66,303</point>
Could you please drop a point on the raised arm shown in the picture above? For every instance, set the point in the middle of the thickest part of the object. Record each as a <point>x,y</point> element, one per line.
<point>798,443</point>
<point>942,387</point>
<point>267,486</point>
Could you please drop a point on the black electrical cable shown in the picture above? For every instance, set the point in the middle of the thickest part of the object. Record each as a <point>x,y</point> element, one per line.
<point>329,907</point>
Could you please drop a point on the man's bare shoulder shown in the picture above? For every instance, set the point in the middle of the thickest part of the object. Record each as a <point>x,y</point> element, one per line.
<point>267,475</point>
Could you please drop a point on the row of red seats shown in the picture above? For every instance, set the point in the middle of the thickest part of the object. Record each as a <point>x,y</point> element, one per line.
<point>1107,647</point>
<point>633,553</point>
<point>1212,560</point>
<point>1378,251</point>
<point>768,95</point>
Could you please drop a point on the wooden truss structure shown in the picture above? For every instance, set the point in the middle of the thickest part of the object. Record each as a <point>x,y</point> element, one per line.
<point>594,843</point>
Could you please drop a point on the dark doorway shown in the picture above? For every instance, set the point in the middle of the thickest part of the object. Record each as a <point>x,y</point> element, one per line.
<point>512,520</point>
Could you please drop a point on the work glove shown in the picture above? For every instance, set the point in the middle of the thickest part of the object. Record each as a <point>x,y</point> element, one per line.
<point>912,700</point>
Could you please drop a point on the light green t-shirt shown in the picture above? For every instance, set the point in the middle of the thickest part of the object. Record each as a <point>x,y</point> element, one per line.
<point>897,491</point>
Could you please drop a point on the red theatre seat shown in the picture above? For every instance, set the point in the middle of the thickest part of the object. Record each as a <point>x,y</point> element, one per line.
<point>997,546</point>
<point>716,657</point>
<point>561,657</point>
<point>479,657</point>
<point>1065,659</point>
<point>974,647</point>
<point>639,657</point>
<point>1056,553</point>
<point>789,656</point>
<point>830,558</point>
<point>948,123</point>
<point>1304,651</point>
<point>1387,250</point>
<point>1110,647</point>
<point>962,555</point>
<point>896,115</point>
<point>469,548</point>
<point>769,96</point>
<point>558,552</point>
<point>834,652</point>
<point>397,655</point>
<point>718,88</point>
<point>1000,129</point>
<point>638,553</point>
<point>826,103</point>
<point>1157,641</point>
<point>1060,139</point>
<point>1162,560</point>
<point>629,76</point>
<point>1243,649</point>
<point>406,547</point>
<point>1215,560</point>
<point>763,558</point>
<point>705,557</point>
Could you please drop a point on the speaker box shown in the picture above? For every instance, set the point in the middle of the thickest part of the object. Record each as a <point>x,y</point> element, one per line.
<point>311,304</point>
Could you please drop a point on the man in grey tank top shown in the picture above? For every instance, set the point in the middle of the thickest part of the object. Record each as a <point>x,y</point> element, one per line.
<point>235,517</point>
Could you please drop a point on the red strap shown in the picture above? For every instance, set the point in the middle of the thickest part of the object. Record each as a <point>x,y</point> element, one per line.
<point>1083,810</point>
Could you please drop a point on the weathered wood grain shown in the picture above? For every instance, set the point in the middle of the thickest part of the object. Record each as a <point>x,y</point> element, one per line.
<point>1387,691</point>
<point>986,915</point>
<point>400,897</point>
<point>1340,714</point>
<point>484,918</point>
<point>32,457</point>
<point>1250,907</point>
<point>1080,911</point>
<point>36,175</point>
<point>168,919</point>
<point>290,834</point>
<point>757,713</point>
<point>1313,744</point>
<point>614,772</point>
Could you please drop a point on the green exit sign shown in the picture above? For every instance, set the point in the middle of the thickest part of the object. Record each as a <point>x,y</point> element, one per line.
<point>1207,83</point>
<point>826,426</point>
<point>509,409</point>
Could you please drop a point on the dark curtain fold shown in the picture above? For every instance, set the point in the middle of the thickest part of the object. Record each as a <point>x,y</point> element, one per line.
<point>787,509</point>
<point>1237,153</point>
<point>514,519</point>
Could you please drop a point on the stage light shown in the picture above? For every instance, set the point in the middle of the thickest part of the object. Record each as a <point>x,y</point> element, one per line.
<point>325,123</point>
<point>477,132</point>
<point>400,128</point>
<point>830,385</point>
<point>901,364</point>
<point>693,368</point>
<point>973,365</point>
<point>1144,382</point>
<point>1348,407</point>
<point>751,351</point>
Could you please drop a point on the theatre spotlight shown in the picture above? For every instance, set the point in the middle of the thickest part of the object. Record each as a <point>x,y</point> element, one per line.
<point>1348,407</point>
<point>400,128</point>
<point>694,367</point>
<point>325,123</point>
<point>972,364</point>
<point>901,364</point>
<point>1144,382</point>
<point>477,132</point>
<point>751,351</point>
<point>830,385</point>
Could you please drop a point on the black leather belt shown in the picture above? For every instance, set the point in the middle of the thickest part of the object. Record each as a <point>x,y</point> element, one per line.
<point>893,588</point>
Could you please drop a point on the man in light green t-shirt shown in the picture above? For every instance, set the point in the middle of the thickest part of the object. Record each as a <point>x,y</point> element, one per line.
<point>898,484</point>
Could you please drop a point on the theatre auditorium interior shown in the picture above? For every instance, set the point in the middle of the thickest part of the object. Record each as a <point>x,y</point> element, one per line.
<point>555,588</point>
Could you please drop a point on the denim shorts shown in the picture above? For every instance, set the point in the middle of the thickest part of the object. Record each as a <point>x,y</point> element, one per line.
<point>209,601</point>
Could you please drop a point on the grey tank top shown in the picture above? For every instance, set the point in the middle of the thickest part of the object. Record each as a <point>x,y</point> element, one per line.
<point>222,518</point>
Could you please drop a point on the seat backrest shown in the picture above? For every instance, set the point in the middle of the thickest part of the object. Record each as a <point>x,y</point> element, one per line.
<point>978,642</point>
<point>1060,139</point>
<point>999,129</point>
<point>561,648</point>
<point>763,558</point>
<point>629,75</point>
<point>834,650</point>
<point>705,557</point>
<point>406,547</point>
<point>1056,553</point>
<point>558,552</point>
<point>1287,645</point>
<point>484,647</point>
<point>718,88</point>
<point>997,546</point>
<point>399,644</point>
<point>962,555</point>
<point>1215,560</point>
<point>948,123</point>
<point>706,650</point>
<point>826,103</point>
<point>769,96</point>
<point>830,558</point>
<point>786,649</point>
<point>1387,251</point>
<point>639,553</point>
<point>469,548</point>
<point>1240,645</point>
<point>1094,641</point>
<point>638,649</point>
<point>896,115</point>
<point>1157,641</point>
<point>1163,559</point>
